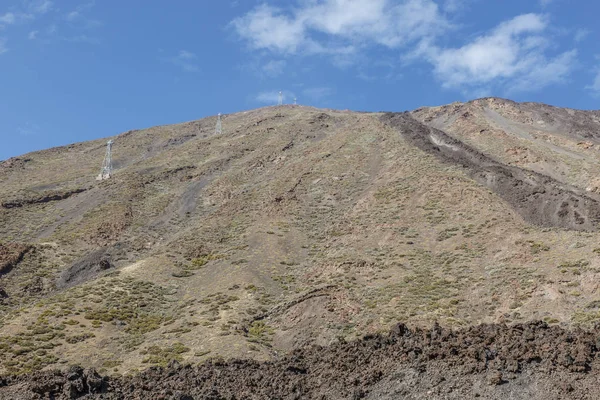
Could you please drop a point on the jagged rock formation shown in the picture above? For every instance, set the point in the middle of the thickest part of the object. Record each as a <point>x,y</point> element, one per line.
<point>529,361</point>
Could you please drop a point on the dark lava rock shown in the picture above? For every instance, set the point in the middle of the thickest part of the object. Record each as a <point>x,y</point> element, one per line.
<point>86,268</point>
<point>524,361</point>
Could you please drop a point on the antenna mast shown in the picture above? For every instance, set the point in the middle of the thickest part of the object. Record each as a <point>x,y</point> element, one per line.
<point>219,127</point>
<point>106,171</point>
<point>280,98</point>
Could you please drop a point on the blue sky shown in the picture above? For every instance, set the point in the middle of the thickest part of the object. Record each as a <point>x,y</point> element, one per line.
<point>75,70</point>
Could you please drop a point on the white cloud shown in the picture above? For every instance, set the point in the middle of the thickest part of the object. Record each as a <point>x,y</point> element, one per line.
<point>272,97</point>
<point>595,86</point>
<point>3,48</point>
<point>186,60</point>
<point>454,6</point>
<point>381,70</point>
<point>11,18</point>
<point>581,34</point>
<point>82,39</point>
<point>266,28</point>
<point>313,94</point>
<point>518,54</point>
<point>72,16</point>
<point>545,3</point>
<point>390,23</point>
<point>8,19</point>
<point>28,129</point>
<point>274,68</point>
<point>32,7</point>
<point>263,67</point>
<point>186,55</point>
<point>78,16</point>
<point>40,6</point>
<point>548,71</point>
<point>513,55</point>
<point>318,93</point>
<point>35,9</point>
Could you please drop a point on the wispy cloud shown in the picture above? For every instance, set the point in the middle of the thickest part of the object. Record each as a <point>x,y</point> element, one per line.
<point>264,67</point>
<point>28,11</point>
<point>350,23</point>
<point>518,54</point>
<point>186,55</point>
<point>14,18</point>
<point>595,86</point>
<point>318,93</point>
<point>78,21</point>
<point>76,26</point>
<point>548,71</point>
<point>72,16</point>
<point>581,34</point>
<point>273,68</point>
<point>28,129</point>
<point>82,39</point>
<point>80,10</point>
<point>79,16</point>
<point>455,6</point>
<point>39,6</point>
<point>511,56</point>
<point>272,97</point>
<point>265,28</point>
<point>314,94</point>
<point>545,3</point>
<point>3,48</point>
<point>186,60</point>
<point>8,19</point>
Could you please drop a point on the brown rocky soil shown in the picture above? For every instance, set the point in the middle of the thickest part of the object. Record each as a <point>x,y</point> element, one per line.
<point>85,269</point>
<point>10,255</point>
<point>523,361</point>
<point>40,199</point>
<point>299,227</point>
<point>560,142</point>
<point>539,199</point>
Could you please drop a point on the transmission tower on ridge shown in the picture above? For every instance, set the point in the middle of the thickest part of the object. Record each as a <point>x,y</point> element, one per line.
<point>219,127</point>
<point>280,98</point>
<point>107,164</point>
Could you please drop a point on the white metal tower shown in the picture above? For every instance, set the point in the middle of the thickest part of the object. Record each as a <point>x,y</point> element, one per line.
<point>219,127</point>
<point>295,101</point>
<point>280,98</point>
<point>107,164</point>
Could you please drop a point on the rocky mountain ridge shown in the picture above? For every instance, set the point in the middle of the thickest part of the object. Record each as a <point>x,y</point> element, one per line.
<point>297,227</point>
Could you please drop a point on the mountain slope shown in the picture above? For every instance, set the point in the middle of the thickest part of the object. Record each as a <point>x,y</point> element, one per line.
<point>295,226</point>
<point>557,142</point>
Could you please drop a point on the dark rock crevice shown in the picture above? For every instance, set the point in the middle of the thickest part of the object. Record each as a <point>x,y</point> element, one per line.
<point>11,254</point>
<point>539,199</point>
<point>40,199</point>
<point>87,268</point>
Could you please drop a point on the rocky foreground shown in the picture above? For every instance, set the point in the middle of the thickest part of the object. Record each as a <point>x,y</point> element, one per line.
<point>524,361</point>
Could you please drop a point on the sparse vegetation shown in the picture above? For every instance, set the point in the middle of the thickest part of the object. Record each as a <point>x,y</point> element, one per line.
<point>218,232</point>
<point>161,356</point>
